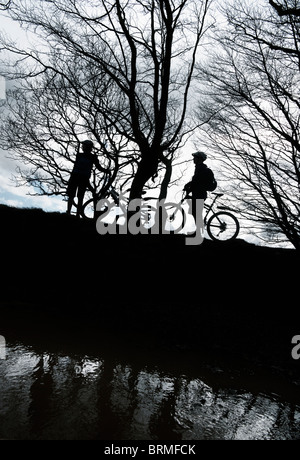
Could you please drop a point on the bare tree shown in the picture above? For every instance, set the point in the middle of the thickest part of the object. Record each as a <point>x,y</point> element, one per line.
<point>4,5</point>
<point>148,51</point>
<point>251,115</point>
<point>285,8</point>
<point>45,119</point>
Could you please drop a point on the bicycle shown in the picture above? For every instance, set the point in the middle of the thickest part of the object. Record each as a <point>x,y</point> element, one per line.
<point>220,225</point>
<point>117,205</point>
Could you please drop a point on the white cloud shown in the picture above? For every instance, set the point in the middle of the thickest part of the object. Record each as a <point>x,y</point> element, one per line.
<point>11,202</point>
<point>12,195</point>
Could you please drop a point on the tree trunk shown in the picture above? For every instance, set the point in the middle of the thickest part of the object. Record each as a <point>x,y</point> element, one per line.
<point>147,168</point>
<point>166,180</point>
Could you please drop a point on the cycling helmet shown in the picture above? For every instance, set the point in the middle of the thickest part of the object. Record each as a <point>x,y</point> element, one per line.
<point>200,155</point>
<point>88,142</point>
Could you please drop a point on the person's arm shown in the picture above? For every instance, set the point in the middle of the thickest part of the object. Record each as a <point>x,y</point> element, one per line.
<point>98,165</point>
<point>187,187</point>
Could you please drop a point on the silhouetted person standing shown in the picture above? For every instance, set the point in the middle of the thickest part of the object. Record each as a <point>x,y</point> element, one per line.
<point>202,181</point>
<point>80,175</point>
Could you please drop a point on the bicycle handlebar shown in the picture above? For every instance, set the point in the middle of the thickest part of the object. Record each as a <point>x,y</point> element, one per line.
<point>213,193</point>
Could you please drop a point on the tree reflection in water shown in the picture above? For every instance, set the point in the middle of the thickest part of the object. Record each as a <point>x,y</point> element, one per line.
<point>46,396</point>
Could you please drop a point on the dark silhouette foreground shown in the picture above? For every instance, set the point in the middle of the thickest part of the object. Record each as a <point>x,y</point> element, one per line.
<point>150,287</point>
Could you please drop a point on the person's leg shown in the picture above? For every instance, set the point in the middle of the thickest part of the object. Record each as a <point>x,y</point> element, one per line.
<point>194,208</point>
<point>70,202</point>
<point>197,211</point>
<point>80,196</point>
<point>71,192</point>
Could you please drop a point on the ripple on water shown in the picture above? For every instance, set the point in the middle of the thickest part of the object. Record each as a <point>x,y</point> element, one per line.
<point>65,396</point>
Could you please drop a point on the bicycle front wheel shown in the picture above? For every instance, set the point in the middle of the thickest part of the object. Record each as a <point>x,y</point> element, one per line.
<point>175,217</point>
<point>223,226</point>
<point>147,215</point>
<point>88,209</point>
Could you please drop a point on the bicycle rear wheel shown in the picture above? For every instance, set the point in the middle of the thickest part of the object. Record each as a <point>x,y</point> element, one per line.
<point>223,226</point>
<point>89,210</point>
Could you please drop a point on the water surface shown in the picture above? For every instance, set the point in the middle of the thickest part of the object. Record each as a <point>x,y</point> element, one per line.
<point>110,389</point>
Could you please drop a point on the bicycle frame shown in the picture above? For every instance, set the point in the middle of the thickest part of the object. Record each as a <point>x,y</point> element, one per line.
<point>207,207</point>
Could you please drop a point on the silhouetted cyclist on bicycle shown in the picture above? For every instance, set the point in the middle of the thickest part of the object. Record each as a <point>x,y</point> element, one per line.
<point>202,181</point>
<point>80,175</point>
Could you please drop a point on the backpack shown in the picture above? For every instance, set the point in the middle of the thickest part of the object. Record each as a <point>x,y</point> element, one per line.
<point>210,182</point>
